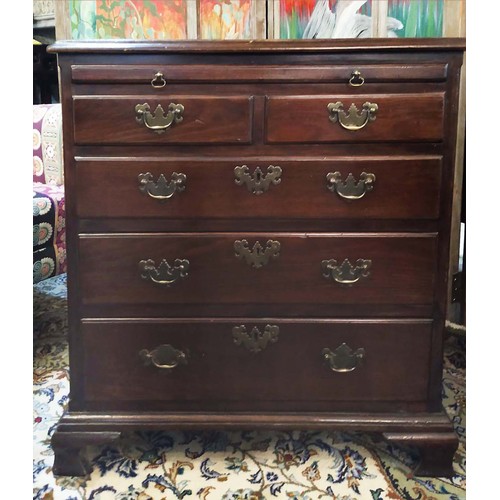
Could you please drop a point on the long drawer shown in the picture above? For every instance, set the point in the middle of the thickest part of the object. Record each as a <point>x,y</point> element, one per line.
<point>332,188</point>
<point>162,76</point>
<point>175,119</point>
<point>185,363</point>
<point>301,270</point>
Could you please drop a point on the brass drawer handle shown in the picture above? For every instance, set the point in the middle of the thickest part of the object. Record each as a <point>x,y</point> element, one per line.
<point>353,119</point>
<point>164,356</point>
<point>258,256</point>
<point>255,341</point>
<point>159,121</point>
<point>356,79</point>
<point>346,273</point>
<point>164,274</point>
<point>343,359</point>
<point>350,189</point>
<point>162,189</point>
<point>258,182</point>
<point>158,82</point>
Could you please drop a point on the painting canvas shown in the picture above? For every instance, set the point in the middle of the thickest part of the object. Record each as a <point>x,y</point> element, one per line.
<point>246,19</point>
<point>420,19</point>
<point>225,19</point>
<point>134,19</point>
<point>366,18</point>
<point>325,19</point>
<point>165,19</point>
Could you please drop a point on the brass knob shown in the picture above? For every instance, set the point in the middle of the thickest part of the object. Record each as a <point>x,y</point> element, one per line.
<point>356,79</point>
<point>158,82</point>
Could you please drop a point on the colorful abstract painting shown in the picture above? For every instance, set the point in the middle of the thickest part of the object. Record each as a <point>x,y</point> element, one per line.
<point>225,19</point>
<point>294,16</point>
<point>421,19</point>
<point>133,19</point>
<point>325,19</point>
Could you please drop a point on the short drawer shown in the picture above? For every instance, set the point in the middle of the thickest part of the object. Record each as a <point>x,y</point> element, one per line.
<point>182,363</point>
<point>175,119</point>
<point>238,269</point>
<point>355,118</point>
<point>331,188</point>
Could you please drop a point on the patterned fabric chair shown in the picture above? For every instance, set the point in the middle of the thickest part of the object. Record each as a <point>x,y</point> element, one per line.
<point>49,235</point>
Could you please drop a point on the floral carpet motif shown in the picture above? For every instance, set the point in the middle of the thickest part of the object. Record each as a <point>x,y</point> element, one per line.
<point>299,465</point>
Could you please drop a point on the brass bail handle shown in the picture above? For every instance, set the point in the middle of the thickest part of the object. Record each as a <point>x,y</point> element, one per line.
<point>165,357</point>
<point>356,79</point>
<point>352,119</point>
<point>350,189</point>
<point>159,121</point>
<point>164,274</point>
<point>162,189</point>
<point>158,82</point>
<point>343,359</point>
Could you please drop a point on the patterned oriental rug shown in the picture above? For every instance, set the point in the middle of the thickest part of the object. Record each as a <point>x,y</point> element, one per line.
<point>226,466</point>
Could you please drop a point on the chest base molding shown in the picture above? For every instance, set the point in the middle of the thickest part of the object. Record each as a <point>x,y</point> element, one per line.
<point>431,434</point>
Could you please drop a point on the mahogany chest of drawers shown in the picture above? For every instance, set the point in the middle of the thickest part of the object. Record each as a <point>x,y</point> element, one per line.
<point>258,236</point>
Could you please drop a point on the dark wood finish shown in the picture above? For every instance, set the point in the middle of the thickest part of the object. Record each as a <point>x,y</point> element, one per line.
<point>437,450</point>
<point>221,310</point>
<point>350,46</point>
<point>402,269</point>
<point>206,119</point>
<point>272,108</point>
<point>270,73</point>
<point>403,117</point>
<point>431,433</point>
<point>405,188</point>
<point>263,406</point>
<point>111,353</point>
<point>159,225</point>
<point>69,447</point>
<point>398,423</point>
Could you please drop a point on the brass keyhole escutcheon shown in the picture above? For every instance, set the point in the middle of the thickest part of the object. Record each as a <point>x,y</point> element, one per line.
<point>258,182</point>
<point>259,255</point>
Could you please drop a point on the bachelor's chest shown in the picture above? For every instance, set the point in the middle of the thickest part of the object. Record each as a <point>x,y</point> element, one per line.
<point>258,236</point>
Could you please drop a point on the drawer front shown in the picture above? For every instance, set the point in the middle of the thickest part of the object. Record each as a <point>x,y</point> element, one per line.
<point>385,188</point>
<point>221,73</point>
<point>271,268</point>
<point>198,120</point>
<point>397,117</point>
<point>182,362</point>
